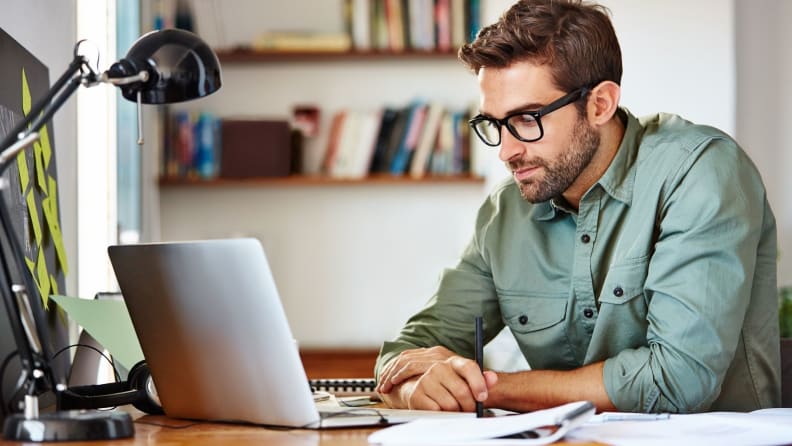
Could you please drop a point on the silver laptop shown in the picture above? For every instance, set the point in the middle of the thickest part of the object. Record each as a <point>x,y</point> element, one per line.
<point>215,336</point>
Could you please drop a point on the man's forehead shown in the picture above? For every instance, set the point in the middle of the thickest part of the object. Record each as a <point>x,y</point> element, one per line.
<point>521,85</point>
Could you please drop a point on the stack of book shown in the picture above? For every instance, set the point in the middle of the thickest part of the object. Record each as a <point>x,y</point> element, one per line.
<point>417,25</point>
<point>422,138</point>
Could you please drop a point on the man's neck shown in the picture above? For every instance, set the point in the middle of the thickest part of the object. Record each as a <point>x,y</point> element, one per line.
<point>610,139</point>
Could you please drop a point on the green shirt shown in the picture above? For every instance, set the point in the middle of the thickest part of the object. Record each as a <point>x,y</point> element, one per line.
<point>667,272</point>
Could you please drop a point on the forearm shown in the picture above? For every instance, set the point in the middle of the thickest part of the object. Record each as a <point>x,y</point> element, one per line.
<point>540,389</point>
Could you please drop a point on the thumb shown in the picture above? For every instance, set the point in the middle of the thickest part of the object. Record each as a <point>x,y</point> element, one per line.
<point>491,378</point>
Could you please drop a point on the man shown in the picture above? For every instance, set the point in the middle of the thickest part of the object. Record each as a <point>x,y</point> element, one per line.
<point>632,259</point>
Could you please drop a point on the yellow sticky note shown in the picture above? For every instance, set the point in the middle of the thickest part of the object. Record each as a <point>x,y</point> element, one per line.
<point>24,175</point>
<point>52,192</point>
<point>54,284</point>
<point>27,102</point>
<point>45,208</point>
<point>31,265</point>
<point>46,148</point>
<point>43,277</point>
<point>41,175</point>
<point>55,232</point>
<point>34,217</point>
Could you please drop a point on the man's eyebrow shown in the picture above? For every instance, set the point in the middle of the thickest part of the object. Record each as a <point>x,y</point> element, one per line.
<point>533,106</point>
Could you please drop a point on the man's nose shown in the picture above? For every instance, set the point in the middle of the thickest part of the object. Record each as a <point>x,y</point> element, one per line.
<point>510,147</point>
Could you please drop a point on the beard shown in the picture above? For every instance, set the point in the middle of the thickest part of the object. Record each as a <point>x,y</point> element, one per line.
<point>559,173</point>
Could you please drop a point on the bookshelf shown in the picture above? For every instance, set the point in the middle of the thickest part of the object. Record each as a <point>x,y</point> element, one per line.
<point>318,180</point>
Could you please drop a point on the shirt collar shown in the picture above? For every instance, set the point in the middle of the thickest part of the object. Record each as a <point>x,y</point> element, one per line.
<point>618,179</point>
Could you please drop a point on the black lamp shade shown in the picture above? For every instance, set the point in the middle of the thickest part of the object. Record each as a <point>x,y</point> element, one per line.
<point>181,67</point>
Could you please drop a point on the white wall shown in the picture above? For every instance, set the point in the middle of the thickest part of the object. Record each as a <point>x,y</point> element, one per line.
<point>764,70</point>
<point>47,29</point>
<point>353,262</point>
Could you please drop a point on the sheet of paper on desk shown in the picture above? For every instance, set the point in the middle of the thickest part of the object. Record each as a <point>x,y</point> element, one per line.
<point>763,427</point>
<point>476,431</point>
<point>107,320</point>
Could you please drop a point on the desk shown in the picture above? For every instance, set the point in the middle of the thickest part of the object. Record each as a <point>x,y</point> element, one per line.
<point>154,430</point>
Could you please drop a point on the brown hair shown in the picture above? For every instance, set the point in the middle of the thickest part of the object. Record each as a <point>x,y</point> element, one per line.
<point>575,38</point>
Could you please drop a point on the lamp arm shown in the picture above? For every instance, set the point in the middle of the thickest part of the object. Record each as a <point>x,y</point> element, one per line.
<point>33,365</point>
<point>78,72</point>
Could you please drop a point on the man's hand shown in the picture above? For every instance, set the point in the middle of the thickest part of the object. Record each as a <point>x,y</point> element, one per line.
<point>434,379</point>
<point>410,363</point>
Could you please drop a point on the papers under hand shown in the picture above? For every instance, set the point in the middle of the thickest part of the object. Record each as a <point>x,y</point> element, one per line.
<point>539,427</point>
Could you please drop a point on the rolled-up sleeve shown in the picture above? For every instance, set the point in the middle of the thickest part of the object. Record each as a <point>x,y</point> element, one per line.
<point>698,285</point>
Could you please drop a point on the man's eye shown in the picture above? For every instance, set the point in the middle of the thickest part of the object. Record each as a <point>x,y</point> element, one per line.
<point>523,120</point>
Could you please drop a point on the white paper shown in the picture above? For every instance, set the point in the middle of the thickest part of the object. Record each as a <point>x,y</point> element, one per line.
<point>475,431</point>
<point>764,427</point>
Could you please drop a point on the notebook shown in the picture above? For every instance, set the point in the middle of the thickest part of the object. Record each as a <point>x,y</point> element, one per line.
<point>215,336</point>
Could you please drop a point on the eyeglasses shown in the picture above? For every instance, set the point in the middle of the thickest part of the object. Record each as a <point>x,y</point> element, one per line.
<point>526,126</point>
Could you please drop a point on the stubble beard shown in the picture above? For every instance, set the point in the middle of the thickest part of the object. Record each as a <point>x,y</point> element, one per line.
<point>559,174</point>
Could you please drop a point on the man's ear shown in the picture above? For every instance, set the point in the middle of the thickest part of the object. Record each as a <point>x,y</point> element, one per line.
<point>603,102</point>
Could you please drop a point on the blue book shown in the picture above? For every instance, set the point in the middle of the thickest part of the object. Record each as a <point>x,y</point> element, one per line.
<point>412,130</point>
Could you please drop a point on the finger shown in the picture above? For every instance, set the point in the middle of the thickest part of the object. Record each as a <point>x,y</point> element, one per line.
<point>491,378</point>
<point>471,373</point>
<point>414,368</point>
<point>385,385</point>
<point>398,374</point>
<point>432,393</point>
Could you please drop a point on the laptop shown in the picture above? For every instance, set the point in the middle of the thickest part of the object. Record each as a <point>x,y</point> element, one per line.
<point>216,339</point>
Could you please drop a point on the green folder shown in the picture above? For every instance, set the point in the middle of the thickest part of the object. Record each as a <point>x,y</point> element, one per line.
<point>107,320</point>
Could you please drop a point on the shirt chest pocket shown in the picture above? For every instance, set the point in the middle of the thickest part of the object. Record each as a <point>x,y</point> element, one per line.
<point>624,282</point>
<point>538,325</point>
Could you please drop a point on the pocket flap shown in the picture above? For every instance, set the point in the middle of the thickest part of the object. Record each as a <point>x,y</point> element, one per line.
<point>525,314</point>
<point>624,282</point>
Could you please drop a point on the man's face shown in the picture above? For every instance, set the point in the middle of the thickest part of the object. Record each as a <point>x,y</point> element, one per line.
<point>546,168</point>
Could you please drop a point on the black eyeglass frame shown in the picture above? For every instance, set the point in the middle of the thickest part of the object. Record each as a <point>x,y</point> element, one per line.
<point>569,98</point>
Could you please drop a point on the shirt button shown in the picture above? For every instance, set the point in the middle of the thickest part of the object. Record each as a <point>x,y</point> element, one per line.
<point>523,319</point>
<point>588,312</point>
<point>618,291</point>
<point>585,238</point>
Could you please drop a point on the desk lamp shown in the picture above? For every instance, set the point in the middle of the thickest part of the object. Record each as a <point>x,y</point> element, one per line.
<point>161,67</point>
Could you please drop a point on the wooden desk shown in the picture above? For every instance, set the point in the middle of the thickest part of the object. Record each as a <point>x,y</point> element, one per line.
<point>154,430</point>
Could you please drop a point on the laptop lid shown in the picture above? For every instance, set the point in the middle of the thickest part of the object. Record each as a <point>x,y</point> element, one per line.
<point>213,331</point>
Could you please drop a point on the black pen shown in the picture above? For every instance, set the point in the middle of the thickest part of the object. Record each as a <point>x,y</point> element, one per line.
<point>479,356</point>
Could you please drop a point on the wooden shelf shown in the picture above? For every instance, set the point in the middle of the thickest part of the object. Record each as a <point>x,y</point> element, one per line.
<point>252,56</point>
<point>317,180</point>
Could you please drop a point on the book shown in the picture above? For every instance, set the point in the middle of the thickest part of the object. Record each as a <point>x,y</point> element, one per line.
<point>394,16</point>
<point>333,140</point>
<point>400,124</point>
<point>302,41</point>
<point>443,25</point>
<point>387,124</point>
<point>361,24</point>
<point>403,156</point>
<point>345,145</point>
<point>427,141</point>
<point>458,20</point>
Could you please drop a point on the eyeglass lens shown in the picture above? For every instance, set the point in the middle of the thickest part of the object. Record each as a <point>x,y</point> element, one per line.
<point>524,125</point>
